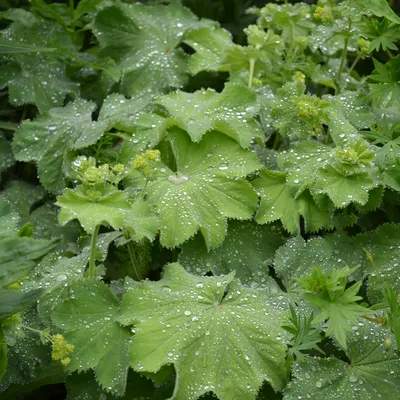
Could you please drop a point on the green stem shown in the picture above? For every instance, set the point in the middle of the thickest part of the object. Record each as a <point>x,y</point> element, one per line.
<point>343,59</point>
<point>42,333</point>
<point>92,258</point>
<point>8,126</point>
<point>251,71</point>
<point>72,13</point>
<point>277,141</point>
<point>357,59</point>
<point>134,262</point>
<point>144,189</point>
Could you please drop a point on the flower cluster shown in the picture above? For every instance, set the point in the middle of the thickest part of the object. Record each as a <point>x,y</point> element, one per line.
<point>61,349</point>
<point>143,162</point>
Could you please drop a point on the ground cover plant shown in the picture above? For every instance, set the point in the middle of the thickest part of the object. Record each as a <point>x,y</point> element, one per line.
<point>199,199</point>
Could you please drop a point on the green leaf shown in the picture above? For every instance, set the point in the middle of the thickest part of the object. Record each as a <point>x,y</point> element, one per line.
<point>135,35</point>
<point>8,219</point>
<point>52,375</point>
<point>141,222</point>
<point>343,190</point>
<point>44,220</point>
<point>19,255</point>
<point>48,140</point>
<point>345,174</point>
<point>370,374</point>
<point>297,257</point>
<point>230,112</point>
<point>40,79</point>
<point>22,195</point>
<point>248,249</point>
<point>6,156</point>
<point>3,353</point>
<point>206,188</point>
<point>386,91</point>
<point>88,7</point>
<point>382,245</point>
<point>229,340</point>
<point>210,44</point>
<point>54,274</point>
<point>279,202</point>
<point>337,305</point>
<point>305,336</point>
<point>122,113</point>
<point>381,8</point>
<point>106,210</point>
<point>382,34</point>
<point>12,302</point>
<point>89,317</point>
<point>83,386</point>
<point>10,48</point>
<point>26,355</point>
<point>296,114</point>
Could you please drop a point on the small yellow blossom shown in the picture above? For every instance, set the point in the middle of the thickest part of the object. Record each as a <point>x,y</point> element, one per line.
<point>299,77</point>
<point>139,162</point>
<point>14,286</point>
<point>61,349</point>
<point>65,361</point>
<point>153,155</point>
<point>118,168</point>
<point>323,14</point>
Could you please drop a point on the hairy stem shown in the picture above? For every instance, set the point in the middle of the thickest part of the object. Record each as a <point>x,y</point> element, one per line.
<point>8,126</point>
<point>355,62</point>
<point>251,71</point>
<point>92,258</point>
<point>343,59</point>
<point>134,262</point>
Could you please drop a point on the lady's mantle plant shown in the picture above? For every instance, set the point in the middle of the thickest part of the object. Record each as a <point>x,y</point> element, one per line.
<point>188,213</point>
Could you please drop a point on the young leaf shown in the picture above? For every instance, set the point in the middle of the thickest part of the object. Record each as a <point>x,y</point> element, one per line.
<point>230,112</point>
<point>229,340</point>
<point>305,336</point>
<point>89,317</point>
<point>297,257</point>
<point>338,305</point>
<point>345,174</point>
<point>386,91</point>
<point>296,114</point>
<point>247,249</point>
<point>371,374</point>
<point>382,34</point>
<point>206,189</point>
<point>48,139</point>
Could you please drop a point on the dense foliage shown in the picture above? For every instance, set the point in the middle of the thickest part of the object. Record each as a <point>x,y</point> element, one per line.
<point>192,208</point>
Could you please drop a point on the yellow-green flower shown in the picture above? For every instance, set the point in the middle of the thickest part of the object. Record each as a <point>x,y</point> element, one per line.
<point>153,155</point>
<point>61,349</point>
